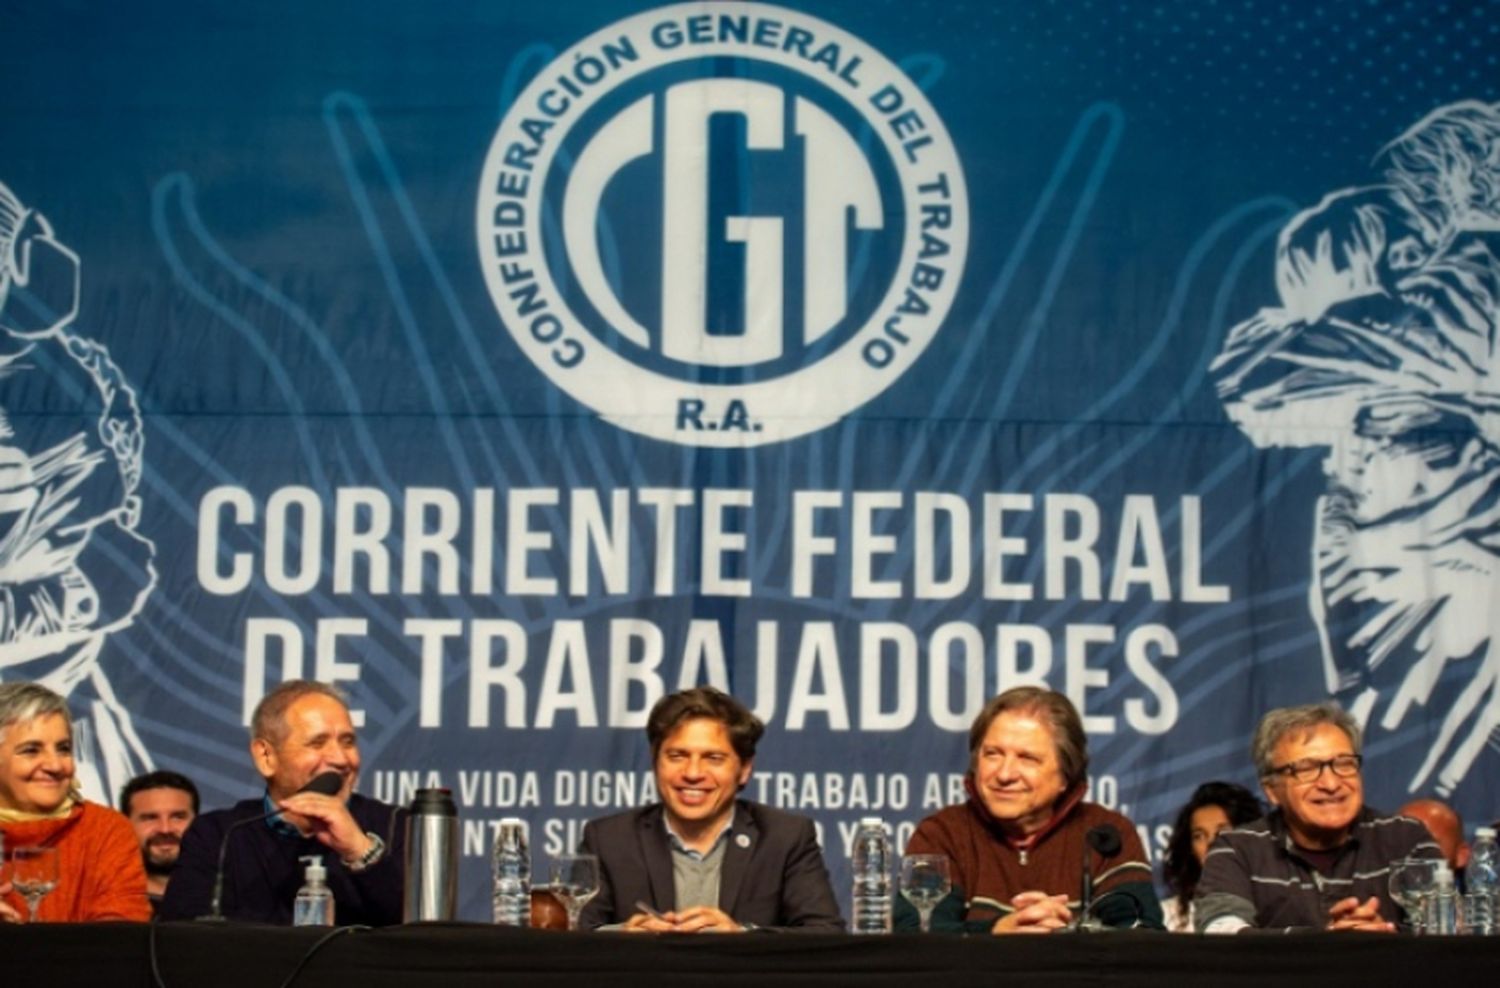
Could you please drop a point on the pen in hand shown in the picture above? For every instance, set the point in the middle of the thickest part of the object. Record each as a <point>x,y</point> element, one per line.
<point>645,908</point>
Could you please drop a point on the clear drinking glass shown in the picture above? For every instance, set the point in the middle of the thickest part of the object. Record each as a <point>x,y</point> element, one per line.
<point>33,873</point>
<point>575,880</point>
<point>1412,880</point>
<point>925,880</point>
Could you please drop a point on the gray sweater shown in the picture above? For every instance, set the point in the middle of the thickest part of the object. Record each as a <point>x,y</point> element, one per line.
<point>1254,873</point>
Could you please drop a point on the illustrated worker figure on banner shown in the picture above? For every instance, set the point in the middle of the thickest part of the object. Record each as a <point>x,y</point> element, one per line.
<point>73,569</point>
<point>1383,351</point>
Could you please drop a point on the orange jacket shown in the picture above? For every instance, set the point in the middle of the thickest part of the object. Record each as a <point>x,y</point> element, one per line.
<point>100,874</point>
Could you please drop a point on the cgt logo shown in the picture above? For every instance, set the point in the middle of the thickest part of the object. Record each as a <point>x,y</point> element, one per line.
<point>723,225</point>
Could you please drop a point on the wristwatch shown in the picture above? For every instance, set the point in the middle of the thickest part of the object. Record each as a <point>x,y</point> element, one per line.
<point>374,854</point>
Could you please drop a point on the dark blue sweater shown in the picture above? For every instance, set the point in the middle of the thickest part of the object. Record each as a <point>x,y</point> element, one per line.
<point>262,872</point>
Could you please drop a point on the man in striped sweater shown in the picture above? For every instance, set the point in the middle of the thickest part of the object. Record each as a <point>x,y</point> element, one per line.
<point>1320,859</point>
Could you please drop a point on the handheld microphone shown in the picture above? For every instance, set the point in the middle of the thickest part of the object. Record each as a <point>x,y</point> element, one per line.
<point>1104,840</point>
<point>324,784</point>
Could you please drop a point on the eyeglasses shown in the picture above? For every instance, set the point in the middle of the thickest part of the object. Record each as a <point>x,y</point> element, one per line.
<point>1311,769</point>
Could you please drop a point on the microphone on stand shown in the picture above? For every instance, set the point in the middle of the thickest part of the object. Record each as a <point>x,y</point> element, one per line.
<point>324,784</point>
<point>1104,840</point>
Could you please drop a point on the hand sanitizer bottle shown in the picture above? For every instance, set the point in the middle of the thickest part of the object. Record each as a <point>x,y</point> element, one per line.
<point>314,905</point>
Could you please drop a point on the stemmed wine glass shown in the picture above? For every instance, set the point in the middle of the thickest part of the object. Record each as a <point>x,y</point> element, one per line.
<point>33,873</point>
<point>925,881</point>
<point>1412,880</point>
<point>575,880</point>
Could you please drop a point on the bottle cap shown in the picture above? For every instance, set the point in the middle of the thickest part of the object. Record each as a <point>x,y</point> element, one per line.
<point>871,821</point>
<point>1481,833</point>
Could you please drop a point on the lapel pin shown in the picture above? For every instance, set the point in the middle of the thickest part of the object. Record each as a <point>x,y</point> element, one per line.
<point>742,840</point>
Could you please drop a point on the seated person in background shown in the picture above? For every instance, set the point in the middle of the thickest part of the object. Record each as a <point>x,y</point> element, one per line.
<point>1214,806</point>
<point>160,807</point>
<point>702,860</point>
<point>1320,859</point>
<point>1446,827</point>
<point>1017,846</point>
<point>300,731</point>
<point>99,864</point>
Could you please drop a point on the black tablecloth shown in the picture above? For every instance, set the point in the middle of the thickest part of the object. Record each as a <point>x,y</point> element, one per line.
<point>187,954</point>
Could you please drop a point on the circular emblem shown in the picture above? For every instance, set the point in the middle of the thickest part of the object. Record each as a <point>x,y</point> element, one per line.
<point>722,225</point>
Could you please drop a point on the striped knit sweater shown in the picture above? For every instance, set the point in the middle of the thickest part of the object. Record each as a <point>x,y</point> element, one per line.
<point>1254,876</point>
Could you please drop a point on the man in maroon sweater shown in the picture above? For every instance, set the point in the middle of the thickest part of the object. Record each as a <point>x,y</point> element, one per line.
<point>1017,847</point>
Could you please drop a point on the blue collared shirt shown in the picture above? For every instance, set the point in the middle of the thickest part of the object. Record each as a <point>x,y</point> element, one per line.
<point>278,826</point>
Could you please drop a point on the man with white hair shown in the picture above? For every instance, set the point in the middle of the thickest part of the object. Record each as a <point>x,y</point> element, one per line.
<point>1321,858</point>
<point>301,731</point>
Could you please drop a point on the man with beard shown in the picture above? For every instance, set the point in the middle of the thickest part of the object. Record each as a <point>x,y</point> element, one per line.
<point>159,806</point>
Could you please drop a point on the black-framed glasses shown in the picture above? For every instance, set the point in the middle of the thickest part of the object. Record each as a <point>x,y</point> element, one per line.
<point>1311,769</point>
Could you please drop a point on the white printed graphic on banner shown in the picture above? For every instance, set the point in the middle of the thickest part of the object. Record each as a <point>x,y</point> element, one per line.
<point>73,570</point>
<point>749,322</point>
<point>1383,351</point>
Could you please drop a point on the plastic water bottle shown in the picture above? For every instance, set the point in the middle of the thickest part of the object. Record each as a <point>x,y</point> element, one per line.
<point>872,877</point>
<point>314,904</point>
<point>512,874</point>
<point>1482,876</point>
<point>1442,904</point>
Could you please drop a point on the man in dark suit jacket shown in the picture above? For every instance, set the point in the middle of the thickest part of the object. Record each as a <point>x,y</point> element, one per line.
<point>701,859</point>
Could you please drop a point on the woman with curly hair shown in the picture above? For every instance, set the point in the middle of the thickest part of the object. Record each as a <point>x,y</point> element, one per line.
<point>1214,806</point>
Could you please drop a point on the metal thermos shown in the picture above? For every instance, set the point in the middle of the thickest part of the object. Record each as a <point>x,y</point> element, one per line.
<point>431,857</point>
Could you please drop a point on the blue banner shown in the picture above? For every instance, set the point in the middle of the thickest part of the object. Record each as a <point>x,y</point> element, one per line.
<point>513,364</point>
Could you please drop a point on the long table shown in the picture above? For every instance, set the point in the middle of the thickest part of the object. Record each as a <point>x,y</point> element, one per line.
<point>459,954</point>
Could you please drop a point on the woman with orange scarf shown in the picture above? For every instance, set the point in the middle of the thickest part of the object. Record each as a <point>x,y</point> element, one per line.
<point>100,874</point>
